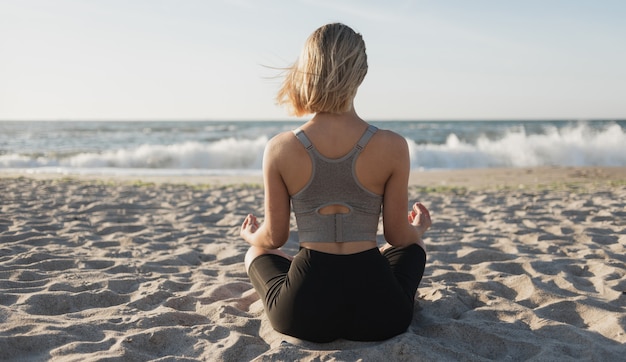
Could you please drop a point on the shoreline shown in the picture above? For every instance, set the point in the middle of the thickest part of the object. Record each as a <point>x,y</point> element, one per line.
<point>453,178</point>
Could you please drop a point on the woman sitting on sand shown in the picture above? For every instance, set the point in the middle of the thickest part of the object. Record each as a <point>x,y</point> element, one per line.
<point>337,171</point>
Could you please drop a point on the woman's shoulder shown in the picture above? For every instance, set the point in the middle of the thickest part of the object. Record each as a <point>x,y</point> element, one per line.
<point>284,138</point>
<point>389,134</point>
<point>389,139</point>
<point>284,142</point>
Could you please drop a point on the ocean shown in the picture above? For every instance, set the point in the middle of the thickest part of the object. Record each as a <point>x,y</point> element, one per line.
<point>236,147</point>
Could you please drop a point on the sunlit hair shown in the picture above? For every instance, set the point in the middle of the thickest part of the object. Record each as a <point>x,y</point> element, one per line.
<point>328,72</point>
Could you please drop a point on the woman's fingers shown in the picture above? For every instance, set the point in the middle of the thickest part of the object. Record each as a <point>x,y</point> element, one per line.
<point>247,221</point>
<point>420,216</point>
<point>419,207</point>
<point>250,223</point>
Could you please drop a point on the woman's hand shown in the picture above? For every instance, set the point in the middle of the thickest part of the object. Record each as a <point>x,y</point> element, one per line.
<point>419,217</point>
<point>249,226</point>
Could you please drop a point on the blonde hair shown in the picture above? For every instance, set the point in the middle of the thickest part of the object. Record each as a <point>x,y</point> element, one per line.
<point>325,78</point>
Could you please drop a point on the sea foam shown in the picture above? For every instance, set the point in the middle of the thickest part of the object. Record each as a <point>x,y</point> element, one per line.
<point>227,153</point>
<point>456,145</point>
<point>577,145</point>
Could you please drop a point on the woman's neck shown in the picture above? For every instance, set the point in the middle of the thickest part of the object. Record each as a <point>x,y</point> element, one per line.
<point>345,117</point>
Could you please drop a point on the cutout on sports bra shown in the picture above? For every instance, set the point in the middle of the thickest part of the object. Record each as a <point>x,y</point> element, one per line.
<point>333,209</point>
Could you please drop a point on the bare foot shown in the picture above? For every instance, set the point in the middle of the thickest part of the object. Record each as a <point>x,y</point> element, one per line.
<point>385,247</point>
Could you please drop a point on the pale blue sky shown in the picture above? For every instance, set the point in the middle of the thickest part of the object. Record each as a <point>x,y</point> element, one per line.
<point>158,59</point>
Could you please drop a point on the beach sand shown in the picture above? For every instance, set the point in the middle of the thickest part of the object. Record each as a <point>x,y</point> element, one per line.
<point>523,264</point>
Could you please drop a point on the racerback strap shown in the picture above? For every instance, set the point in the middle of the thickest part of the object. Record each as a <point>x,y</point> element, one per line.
<point>359,146</point>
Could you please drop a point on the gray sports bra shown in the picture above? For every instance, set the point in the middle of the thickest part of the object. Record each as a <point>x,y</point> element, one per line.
<point>334,182</point>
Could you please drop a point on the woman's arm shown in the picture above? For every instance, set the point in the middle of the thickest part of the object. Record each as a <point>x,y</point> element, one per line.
<point>398,229</point>
<point>274,231</point>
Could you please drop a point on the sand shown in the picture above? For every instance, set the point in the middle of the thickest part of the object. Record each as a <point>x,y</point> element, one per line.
<point>523,264</point>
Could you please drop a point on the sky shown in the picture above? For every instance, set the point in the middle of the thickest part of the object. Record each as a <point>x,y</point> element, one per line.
<point>221,59</point>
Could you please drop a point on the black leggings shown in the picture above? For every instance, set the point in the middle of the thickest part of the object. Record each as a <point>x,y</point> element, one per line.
<point>321,297</point>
